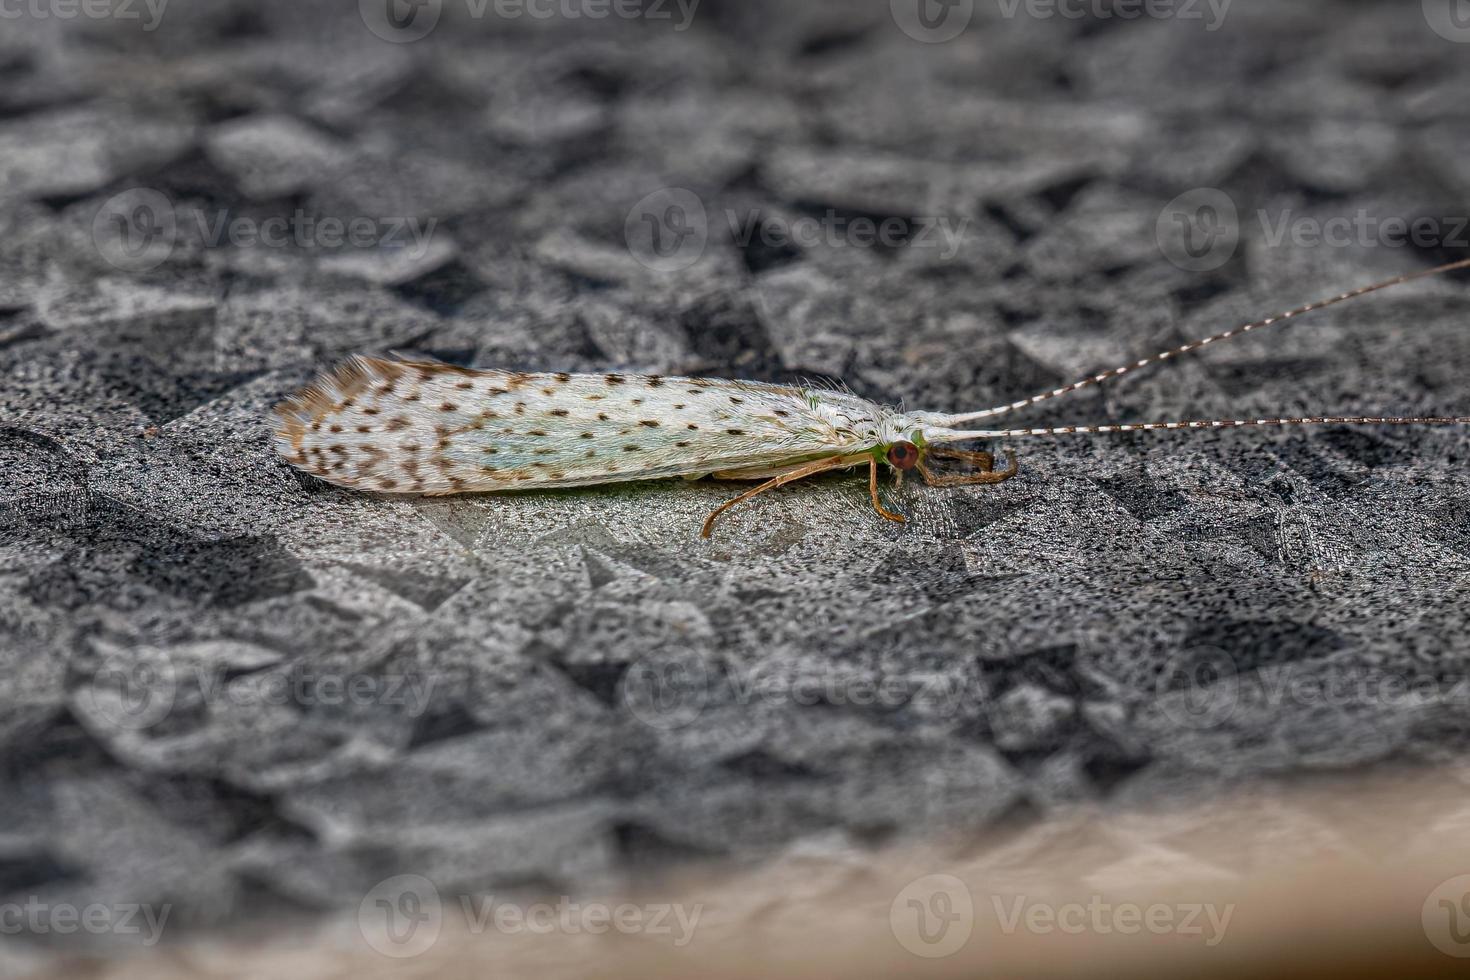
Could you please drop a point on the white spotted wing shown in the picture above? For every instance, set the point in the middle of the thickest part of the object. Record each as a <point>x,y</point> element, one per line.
<point>425,427</point>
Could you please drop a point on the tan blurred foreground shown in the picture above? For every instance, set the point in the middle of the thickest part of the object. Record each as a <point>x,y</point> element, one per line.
<point>1338,878</point>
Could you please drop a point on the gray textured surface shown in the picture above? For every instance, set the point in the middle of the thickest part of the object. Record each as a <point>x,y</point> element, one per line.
<point>561,688</point>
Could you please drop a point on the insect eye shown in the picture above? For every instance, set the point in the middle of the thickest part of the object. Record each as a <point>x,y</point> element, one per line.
<point>903,455</point>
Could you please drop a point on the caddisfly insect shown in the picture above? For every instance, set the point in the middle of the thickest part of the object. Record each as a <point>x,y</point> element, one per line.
<point>423,427</point>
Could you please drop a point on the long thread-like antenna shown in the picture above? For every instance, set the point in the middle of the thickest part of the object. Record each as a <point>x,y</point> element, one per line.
<point>947,435</point>
<point>950,421</point>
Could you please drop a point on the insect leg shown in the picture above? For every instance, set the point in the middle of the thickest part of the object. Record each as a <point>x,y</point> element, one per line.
<point>982,461</point>
<point>808,469</point>
<point>986,476</point>
<point>873,492</point>
<point>761,473</point>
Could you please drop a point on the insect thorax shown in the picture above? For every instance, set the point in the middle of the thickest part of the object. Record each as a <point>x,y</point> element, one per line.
<point>869,423</point>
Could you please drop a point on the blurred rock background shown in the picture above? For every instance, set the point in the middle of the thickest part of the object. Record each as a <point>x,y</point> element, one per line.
<point>249,695</point>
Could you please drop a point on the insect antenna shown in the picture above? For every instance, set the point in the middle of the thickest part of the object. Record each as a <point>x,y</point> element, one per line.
<point>949,421</point>
<point>947,435</point>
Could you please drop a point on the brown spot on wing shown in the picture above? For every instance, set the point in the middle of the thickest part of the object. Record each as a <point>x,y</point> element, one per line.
<point>313,402</point>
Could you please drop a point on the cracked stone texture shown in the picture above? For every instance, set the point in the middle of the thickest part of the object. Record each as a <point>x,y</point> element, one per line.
<point>244,692</point>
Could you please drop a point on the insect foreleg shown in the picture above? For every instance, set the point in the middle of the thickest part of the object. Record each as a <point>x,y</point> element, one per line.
<point>873,492</point>
<point>985,462</point>
<point>801,472</point>
<point>982,461</point>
